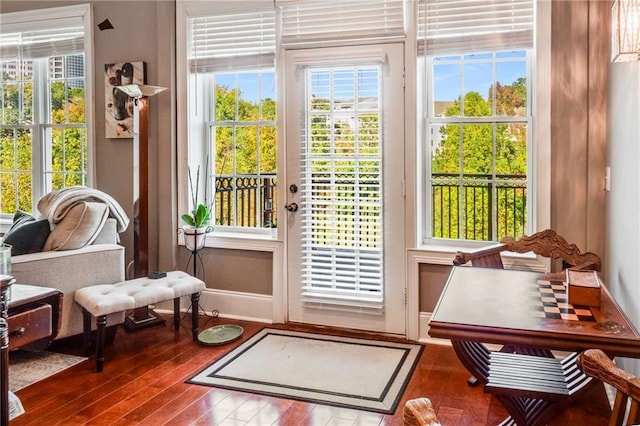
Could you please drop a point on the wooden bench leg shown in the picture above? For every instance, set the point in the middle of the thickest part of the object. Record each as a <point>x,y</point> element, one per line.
<point>176,313</point>
<point>101,327</point>
<point>195,297</point>
<point>86,331</point>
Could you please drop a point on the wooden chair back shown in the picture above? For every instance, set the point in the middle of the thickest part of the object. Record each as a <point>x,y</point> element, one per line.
<point>595,363</point>
<point>419,412</point>
<point>549,244</point>
<point>487,257</point>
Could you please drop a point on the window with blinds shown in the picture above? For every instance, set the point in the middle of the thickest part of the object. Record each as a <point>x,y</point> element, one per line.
<point>308,22</point>
<point>341,146</point>
<point>44,136</point>
<point>232,62</point>
<point>477,94</point>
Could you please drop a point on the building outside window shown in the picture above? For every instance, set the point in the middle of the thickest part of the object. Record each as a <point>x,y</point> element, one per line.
<point>44,141</point>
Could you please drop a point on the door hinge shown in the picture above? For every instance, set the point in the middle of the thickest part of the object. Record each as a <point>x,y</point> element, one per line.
<point>404,296</point>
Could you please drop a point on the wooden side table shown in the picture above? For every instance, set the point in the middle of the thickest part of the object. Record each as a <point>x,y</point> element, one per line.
<point>34,316</point>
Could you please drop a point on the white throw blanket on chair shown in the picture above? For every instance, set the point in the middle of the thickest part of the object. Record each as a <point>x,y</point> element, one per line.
<point>55,205</point>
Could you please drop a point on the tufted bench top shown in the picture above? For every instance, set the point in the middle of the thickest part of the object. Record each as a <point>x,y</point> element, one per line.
<point>104,299</point>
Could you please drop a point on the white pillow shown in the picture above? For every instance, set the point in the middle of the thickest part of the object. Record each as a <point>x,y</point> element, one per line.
<point>80,226</point>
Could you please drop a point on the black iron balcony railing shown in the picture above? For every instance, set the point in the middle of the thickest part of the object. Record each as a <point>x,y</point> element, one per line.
<point>472,206</point>
<point>478,207</point>
<point>237,199</point>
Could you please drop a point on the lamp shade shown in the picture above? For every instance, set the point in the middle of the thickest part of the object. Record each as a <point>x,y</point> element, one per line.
<point>625,31</point>
<point>140,90</point>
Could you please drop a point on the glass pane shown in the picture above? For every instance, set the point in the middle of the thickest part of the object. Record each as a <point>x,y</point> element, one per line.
<point>511,89</point>
<point>478,81</point>
<point>7,149</point>
<point>446,90</point>
<point>249,96</point>
<point>320,140</point>
<point>58,102</point>
<point>268,96</point>
<point>225,97</point>
<point>369,134</point>
<point>477,146</point>
<point>11,103</point>
<point>511,149</point>
<point>25,189</point>
<point>368,81</point>
<point>343,90</point>
<point>268,149</point>
<point>224,150</point>
<point>320,91</point>
<point>246,150</point>
<point>344,135</point>
<point>445,149</point>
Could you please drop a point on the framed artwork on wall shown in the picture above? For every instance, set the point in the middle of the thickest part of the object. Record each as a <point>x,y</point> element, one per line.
<point>118,105</point>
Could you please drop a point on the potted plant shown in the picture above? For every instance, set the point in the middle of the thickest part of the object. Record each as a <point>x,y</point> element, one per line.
<point>197,220</point>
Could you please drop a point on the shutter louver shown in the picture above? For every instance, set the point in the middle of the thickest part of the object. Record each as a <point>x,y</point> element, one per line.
<point>468,26</point>
<point>233,41</point>
<point>308,23</point>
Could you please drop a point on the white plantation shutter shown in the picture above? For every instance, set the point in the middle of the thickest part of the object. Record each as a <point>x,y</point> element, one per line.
<point>311,22</point>
<point>233,41</point>
<point>341,194</point>
<point>49,37</point>
<point>467,26</point>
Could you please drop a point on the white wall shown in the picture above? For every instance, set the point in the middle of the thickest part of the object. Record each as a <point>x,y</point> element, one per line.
<point>623,201</point>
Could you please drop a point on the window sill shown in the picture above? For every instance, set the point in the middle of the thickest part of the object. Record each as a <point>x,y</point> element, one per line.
<point>238,241</point>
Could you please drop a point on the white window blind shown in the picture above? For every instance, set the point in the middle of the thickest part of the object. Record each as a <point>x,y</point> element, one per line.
<point>233,41</point>
<point>307,22</point>
<point>468,26</point>
<point>49,37</point>
<point>341,194</point>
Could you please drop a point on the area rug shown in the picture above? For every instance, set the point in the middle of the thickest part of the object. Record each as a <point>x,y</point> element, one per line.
<point>356,373</point>
<point>26,368</point>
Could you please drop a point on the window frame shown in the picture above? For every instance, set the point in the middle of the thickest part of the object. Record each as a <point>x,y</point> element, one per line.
<point>438,251</point>
<point>27,19</point>
<point>429,120</point>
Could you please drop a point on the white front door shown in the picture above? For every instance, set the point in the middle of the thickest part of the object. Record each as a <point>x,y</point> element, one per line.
<point>345,187</point>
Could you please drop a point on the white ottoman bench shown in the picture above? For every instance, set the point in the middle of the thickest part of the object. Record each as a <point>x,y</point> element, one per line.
<point>104,299</point>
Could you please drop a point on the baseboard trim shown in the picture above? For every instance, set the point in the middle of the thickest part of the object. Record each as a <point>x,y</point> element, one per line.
<point>229,304</point>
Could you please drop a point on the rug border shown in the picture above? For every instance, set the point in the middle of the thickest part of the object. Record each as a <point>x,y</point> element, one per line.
<point>415,347</point>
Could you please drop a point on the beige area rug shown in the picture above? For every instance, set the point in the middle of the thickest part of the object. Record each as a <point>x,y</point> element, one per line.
<point>356,373</point>
<point>26,368</point>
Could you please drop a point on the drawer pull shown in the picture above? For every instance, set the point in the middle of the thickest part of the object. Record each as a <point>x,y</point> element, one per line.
<point>19,332</point>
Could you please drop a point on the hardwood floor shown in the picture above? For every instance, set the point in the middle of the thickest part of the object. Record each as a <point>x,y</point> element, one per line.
<point>143,384</point>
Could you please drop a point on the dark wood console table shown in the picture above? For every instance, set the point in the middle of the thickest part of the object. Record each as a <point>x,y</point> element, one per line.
<point>506,307</point>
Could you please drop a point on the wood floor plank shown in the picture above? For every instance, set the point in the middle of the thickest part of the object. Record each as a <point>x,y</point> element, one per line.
<point>143,383</point>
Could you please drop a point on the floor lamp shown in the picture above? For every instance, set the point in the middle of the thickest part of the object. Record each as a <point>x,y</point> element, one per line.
<point>141,317</point>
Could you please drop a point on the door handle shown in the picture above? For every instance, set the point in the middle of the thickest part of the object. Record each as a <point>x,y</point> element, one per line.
<point>293,207</point>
